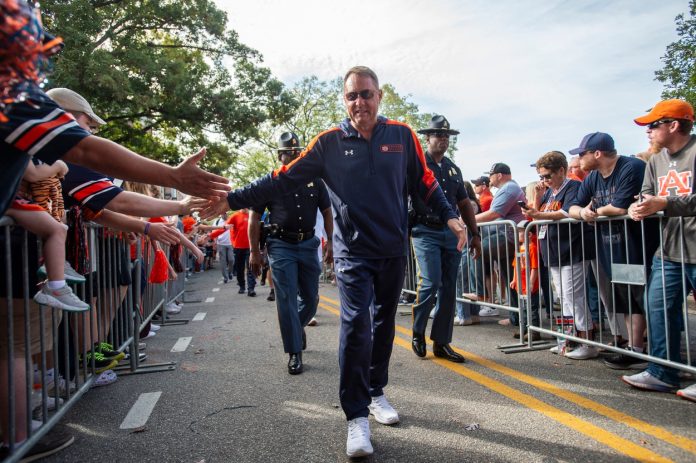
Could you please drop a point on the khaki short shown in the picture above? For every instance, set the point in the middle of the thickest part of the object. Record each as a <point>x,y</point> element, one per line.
<point>18,321</point>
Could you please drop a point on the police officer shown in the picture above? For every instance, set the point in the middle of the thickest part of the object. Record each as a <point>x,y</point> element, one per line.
<point>435,247</point>
<point>292,252</point>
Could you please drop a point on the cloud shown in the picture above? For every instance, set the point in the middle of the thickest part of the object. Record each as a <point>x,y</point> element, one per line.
<point>517,78</point>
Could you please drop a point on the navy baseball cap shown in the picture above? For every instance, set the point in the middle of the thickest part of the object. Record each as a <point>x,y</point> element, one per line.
<point>499,168</point>
<point>597,141</point>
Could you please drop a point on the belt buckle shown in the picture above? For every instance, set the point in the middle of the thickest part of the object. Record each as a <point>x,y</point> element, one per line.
<point>300,236</point>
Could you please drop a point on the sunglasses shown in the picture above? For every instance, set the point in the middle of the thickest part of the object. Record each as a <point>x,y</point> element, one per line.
<point>440,134</point>
<point>545,176</point>
<point>585,152</point>
<point>364,94</point>
<point>656,124</point>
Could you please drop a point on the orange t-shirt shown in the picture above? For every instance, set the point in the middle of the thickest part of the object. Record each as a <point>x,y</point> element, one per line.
<point>533,260</point>
<point>240,229</point>
<point>485,198</point>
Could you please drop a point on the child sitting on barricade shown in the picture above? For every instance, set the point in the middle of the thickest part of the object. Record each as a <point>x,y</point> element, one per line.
<point>34,218</point>
<point>528,259</point>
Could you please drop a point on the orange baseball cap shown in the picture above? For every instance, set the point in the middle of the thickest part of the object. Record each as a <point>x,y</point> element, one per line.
<point>667,109</point>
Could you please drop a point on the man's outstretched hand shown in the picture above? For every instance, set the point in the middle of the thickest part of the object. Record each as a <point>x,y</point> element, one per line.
<point>214,208</point>
<point>194,181</point>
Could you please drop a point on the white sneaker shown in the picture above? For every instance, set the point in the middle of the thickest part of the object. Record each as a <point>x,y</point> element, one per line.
<point>583,352</point>
<point>150,334</point>
<point>61,298</point>
<point>458,321</point>
<point>358,443</point>
<point>154,327</point>
<point>488,311</point>
<point>554,350</point>
<point>688,393</point>
<point>172,308</point>
<point>383,411</point>
<point>645,380</point>
<point>71,274</point>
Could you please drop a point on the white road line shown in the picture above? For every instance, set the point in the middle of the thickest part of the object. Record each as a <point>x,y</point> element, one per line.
<point>209,299</point>
<point>182,344</point>
<point>199,317</point>
<point>215,290</point>
<point>141,410</point>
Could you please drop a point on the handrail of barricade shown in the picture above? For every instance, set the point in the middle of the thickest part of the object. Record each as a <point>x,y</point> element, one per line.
<point>634,276</point>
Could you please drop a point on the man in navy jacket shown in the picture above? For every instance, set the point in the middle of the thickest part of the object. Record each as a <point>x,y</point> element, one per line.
<point>370,164</point>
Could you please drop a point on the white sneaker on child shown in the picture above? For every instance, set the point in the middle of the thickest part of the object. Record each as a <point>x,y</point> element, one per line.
<point>458,321</point>
<point>61,298</point>
<point>71,274</point>
<point>383,411</point>
<point>358,443</point>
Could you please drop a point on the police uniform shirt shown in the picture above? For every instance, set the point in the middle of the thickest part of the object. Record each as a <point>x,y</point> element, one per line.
<point>297,211</point>
<point>449,176</point>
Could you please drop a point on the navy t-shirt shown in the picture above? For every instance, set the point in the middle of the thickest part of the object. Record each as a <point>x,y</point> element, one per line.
<point>620,241</point>
<point>564,244</point>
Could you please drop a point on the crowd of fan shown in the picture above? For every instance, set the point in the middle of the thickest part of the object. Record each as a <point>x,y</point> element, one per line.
<point>572,263</point>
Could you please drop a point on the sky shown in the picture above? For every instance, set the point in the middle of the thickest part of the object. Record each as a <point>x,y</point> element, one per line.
<point>516,78</point>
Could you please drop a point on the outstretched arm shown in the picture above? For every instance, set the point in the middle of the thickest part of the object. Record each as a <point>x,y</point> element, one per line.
<point>128,202</point>
<point>113,159</point>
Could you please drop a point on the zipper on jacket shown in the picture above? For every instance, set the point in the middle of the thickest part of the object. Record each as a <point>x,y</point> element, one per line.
<point>371,157</point>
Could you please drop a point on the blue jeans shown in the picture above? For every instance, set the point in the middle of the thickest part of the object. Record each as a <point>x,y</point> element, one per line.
<point>295,271</point>
<point>665,340</point>
<point>465,310</point>
<point>241,265</point>
<point>438,263</point>
<point>497,247</point>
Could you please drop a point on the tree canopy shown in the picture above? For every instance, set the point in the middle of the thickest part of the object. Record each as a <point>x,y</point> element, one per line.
<point>679,71</point>
<point>168,76</point>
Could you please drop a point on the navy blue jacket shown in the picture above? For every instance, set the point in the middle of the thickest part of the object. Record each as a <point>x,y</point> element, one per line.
<point>368,184</point>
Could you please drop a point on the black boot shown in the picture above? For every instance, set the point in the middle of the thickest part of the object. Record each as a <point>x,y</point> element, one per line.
<point>271,295</point>
<point>445,351</point>
<point>295,363</point>
<point>418,344</point>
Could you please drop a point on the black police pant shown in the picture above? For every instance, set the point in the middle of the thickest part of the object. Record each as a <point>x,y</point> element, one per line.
<point>369,291</point>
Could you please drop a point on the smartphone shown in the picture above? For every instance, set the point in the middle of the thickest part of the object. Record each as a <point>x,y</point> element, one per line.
<point>522,204</point>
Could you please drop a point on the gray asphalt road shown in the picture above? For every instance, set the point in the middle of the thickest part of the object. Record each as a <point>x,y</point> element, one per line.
<point>230,399</point>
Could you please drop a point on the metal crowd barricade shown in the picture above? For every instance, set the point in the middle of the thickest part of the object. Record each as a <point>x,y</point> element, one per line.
<point>485,281</point>
<point>47,359</point>
<point>629,278</point>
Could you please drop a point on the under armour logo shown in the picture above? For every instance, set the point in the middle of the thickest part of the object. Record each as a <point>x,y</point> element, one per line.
<point>349,153</point>
<point>673,164</point>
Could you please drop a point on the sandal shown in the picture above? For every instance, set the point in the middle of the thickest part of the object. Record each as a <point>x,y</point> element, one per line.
<point>105,378</point>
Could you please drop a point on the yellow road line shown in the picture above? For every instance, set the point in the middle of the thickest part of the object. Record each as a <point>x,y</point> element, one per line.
<point>558,415</point>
